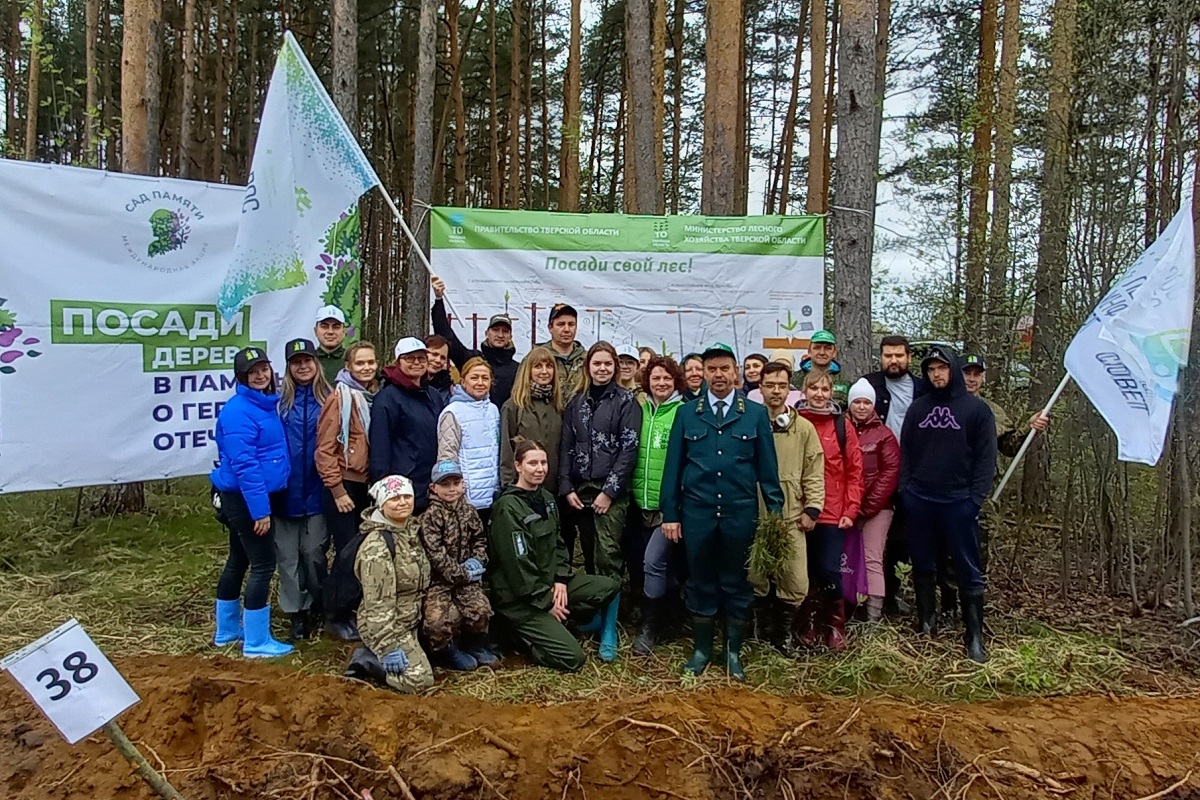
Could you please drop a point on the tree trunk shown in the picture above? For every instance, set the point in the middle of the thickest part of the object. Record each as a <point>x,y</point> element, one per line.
<point>459,194</point>
<point>568,191</point>
<point>91,13</point>
<point>640,153</point>
<point>787,152</point>
<point>815,203</point>
<point>677,30</point>
<point>659,89</point>
<point>187,100</point>
<point>497,179</point>
<point>852,223</point>
<point>981,159</point>
<point>999,251</point>
<point>415,311</point>
<point>220,93</point>
<point>513,190</point>
<point>830,105</point>
<point>345,61</point>
<point>32,104</point>
<point>722,88</point>
<point>1045,352</point>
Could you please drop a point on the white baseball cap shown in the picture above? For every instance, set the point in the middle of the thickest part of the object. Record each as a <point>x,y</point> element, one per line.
<point>409,345</point>
<point>330,312</point>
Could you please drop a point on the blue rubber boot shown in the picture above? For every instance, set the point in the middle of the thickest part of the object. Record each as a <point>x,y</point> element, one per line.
<point>259,643</point>
<point>229,622</point>
<point>451,657</point>
<point>475,645</point>
<point>608,630</point>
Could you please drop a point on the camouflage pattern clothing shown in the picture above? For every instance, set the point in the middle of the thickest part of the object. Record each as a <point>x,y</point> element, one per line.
<point>392,588</point>
<point>452,533</point>
<point>570,368</point>
<point>1008,436</point>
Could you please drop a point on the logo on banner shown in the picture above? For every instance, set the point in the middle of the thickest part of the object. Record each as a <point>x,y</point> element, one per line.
<point>161,238</point>
<point>15,343</point>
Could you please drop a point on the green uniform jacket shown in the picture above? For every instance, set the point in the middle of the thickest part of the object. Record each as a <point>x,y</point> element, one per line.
<point>652,451</point>
<point>570,368</point>
<point>720,468</point>
<point>331,362</point>
<point>527,552</point>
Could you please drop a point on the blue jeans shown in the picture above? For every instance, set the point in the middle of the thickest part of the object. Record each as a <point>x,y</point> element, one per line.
<point>660,553</point>
<point>951,527</point>
<point>247,551</point>
<point>825,543</point>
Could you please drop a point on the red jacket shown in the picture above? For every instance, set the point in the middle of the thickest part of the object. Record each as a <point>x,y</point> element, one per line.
<point>880,465</point>
<point>843,476</point>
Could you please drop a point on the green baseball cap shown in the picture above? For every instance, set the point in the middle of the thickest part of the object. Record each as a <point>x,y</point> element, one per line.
<point>717,349</point>
<point>823,337</point>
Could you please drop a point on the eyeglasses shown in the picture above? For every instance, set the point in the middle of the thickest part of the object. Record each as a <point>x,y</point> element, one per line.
<point>415,358</point>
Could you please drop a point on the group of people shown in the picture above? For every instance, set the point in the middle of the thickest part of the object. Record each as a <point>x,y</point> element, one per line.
<point>473,498</point>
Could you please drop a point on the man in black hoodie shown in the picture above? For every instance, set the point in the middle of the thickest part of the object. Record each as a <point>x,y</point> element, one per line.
<point>497,349</point>
<point>947,464</point>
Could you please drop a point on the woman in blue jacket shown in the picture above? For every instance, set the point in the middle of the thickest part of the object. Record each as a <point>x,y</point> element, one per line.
<point>301,539</point>
<point>253,465</point>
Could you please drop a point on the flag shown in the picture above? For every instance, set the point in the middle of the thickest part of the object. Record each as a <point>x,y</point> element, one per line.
<point>307,170</point>
<point>1127,356</point>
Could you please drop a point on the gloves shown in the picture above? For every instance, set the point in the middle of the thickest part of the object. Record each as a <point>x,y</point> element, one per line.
<point>395,662</point>
<point>474,568</point>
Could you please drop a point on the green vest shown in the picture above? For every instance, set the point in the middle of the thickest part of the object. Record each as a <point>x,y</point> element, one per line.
<point>652,451</point>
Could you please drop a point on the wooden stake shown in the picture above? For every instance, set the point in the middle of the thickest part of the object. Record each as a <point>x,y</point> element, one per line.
<point>141,766</point>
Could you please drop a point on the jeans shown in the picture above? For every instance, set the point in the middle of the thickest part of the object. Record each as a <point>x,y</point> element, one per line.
<point>656,564</point>
<point>951,526</point>
<point>825,543</point>
<point>300,546</point>
<point>247,551</point>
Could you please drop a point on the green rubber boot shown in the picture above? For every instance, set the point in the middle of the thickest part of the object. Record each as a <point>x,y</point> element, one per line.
<point>702,633</point>
<point>735,631</point>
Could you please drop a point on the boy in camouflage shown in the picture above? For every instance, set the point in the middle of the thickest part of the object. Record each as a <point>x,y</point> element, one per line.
<point>394,573</point>
<point>455,604</point>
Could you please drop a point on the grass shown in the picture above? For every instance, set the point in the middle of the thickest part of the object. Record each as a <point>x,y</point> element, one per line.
<point>143,584</point>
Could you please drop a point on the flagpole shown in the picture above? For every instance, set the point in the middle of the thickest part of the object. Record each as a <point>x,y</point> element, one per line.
<point>1029,437</point>
<point>413,240</point>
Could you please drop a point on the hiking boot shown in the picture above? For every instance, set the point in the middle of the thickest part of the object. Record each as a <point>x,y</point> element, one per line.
<point>229,622</point>
<point>652,621</point>
<point>926,622</point>
<point>450,657</point>
<point>300,626</point>
<point>972,610</point>
<point>258,642</point>
<point>735,630</point>
<point>702,633</point>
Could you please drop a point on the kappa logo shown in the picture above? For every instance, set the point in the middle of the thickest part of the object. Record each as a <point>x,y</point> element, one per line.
<point>940,417</point>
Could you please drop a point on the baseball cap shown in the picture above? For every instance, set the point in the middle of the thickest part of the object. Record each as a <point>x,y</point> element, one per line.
<point>629,351</point>
<point>299,347</point>
<point>717,349</point>
<point>559,309</point>
<point>330,312</point>
<point>823,337</point>
<point>247,357</point>
<point>937,353</point>
<point>409,345</point>
<point>443,470</point>
<point>974,360</point>
<point>500,319</point>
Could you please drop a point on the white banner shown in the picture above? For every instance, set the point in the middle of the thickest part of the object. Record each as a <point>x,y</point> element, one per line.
<point>1126,358</point>
<point>114,360</point>
<point>675,284</point>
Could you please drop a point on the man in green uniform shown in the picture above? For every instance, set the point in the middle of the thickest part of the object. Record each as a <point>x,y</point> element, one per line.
<point>720,456</point>
<point>330,331</point>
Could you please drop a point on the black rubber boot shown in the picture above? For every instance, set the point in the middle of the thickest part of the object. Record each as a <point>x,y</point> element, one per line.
<point>300,626</point>
<point>702,632</point>
<point>949,609</point>
<point>926,592</point>
<point>652,624</point>
<point>765,630</point>
<point>972,611</point>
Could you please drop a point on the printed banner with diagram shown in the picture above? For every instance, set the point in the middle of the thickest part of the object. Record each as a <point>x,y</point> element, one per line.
<point>114,359</point>
<point>675,284</point>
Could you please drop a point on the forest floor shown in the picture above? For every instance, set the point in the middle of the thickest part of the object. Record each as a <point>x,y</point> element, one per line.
<point>1081,697</point>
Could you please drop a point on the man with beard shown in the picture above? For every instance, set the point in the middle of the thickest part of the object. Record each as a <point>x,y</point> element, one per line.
<point>497,349</point>
<point>895,390</point>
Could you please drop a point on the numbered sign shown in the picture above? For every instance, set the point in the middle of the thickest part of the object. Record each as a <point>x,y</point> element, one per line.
<point>68,677</point>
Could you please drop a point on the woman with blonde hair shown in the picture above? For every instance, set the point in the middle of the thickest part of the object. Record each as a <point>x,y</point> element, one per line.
<point>533,412</point>
<point>469,433</point>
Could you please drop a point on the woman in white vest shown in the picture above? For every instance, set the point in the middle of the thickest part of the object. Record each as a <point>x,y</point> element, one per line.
<point>469,433</point>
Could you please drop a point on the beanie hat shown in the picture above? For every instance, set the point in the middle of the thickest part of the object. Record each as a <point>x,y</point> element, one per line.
<point>389,487</point>
<point>862,388</point>
<point>784,357</point>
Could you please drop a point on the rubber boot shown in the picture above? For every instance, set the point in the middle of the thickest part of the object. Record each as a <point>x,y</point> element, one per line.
<point>735,631</point>
<point>608,630</point>
<point>652,623</point>
<point>835,631</point>
<point>229,622</point>
<point>592,626</point>
<point>476,646</point>
<point>702,634</point>
<point>949,609</point>
<point>972,611</point>
<point>874,609</point>
<point>450,657</point>
<point>926,623</point>
<point>259,643</point>
<point>809,621</point>
<point>765,631</point>
<point>299,626</point>
<point>781,620</point>
<point>344,629</point>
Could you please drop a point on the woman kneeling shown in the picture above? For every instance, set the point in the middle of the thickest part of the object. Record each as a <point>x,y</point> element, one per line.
<point>534,590</point>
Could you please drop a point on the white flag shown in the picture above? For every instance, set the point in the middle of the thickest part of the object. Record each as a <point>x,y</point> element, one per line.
<point>1127,356</point>
<point>307,170</point>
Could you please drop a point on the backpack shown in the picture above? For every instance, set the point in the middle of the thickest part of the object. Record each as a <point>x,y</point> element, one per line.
<point>839,428</point>
<point>342,593</point>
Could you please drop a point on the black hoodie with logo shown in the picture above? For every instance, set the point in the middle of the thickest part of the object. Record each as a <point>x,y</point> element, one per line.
<point>948,443</point>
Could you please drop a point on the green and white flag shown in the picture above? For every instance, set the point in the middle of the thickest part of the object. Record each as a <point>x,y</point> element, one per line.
<point>307,170</point>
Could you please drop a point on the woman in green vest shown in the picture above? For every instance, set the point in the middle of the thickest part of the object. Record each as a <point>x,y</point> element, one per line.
<point>649,554</point>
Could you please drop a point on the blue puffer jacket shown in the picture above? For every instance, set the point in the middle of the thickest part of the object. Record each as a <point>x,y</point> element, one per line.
<point>300,424</point>
<point>252,449</point>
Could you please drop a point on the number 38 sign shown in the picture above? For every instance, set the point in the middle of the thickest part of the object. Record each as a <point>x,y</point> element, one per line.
<point>71,681</point>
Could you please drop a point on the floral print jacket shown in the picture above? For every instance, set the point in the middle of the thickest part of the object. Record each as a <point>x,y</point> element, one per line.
<point>599,441</point>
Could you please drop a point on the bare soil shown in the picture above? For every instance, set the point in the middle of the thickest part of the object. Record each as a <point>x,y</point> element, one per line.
<point>229,729</point>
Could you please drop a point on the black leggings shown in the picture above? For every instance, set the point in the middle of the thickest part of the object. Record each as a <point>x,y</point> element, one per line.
<point>343,526</point>
<point>247,551</point>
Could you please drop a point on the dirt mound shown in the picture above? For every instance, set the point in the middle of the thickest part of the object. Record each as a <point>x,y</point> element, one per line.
<point>226,729</point>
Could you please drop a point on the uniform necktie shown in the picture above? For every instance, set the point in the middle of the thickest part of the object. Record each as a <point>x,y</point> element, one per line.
<point>720,411</point>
